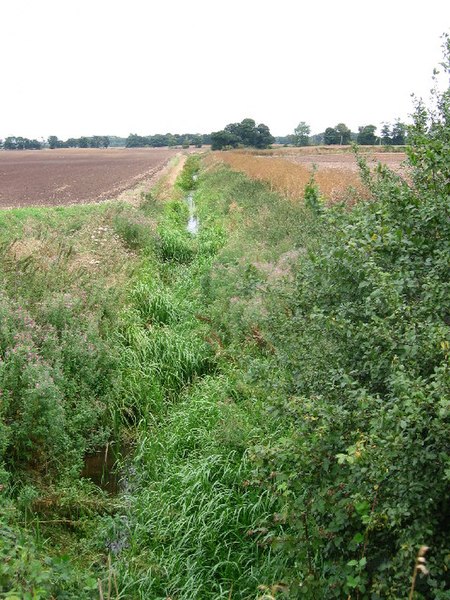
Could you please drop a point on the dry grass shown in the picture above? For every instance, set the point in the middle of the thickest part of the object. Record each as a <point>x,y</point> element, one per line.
<point>290,178</point>
<point>91,249</point>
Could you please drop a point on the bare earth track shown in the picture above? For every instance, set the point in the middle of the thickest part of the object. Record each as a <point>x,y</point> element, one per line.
<point>71,176</point>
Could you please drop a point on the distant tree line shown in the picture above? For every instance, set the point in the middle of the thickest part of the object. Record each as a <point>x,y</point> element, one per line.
<point>96,141</point>
<point>171,140</point>
<point>246,134</point>
<point>234,135</point>
<point>20,143</point>
<point>395,135</point>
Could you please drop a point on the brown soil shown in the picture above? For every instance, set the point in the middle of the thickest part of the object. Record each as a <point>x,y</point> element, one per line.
<point>71,176</point>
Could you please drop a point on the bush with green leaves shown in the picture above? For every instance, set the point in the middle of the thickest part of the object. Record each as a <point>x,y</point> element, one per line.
<point>53,383</point>
<point>28,573</point>
<point>361,352</point>
<point>188,178</point>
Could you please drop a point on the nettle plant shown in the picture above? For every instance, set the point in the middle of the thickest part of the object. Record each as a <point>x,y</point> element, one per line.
<point>54,381</point>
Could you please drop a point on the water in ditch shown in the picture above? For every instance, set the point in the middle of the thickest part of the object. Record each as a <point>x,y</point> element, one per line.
<point>193,222</point>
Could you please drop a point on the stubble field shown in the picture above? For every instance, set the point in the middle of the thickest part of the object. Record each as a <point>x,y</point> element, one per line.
<point>288,170</point>
<point>72,176</point>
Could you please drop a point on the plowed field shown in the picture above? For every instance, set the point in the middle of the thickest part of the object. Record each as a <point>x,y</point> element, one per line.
<point>68,176</point>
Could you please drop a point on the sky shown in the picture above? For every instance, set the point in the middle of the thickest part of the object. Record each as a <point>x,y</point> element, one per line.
<point>107,67</point>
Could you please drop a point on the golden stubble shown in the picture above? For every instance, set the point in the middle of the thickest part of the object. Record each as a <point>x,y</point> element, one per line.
<point>284,175</point>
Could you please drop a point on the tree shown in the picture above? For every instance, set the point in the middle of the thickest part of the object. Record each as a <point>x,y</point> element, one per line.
<point>301,134</point>
<point>197,140</point>
<point>263,138</point>
<point>171,140</point>
<point>344,133</point>
<point>9,143</point>
<point>224,139</point>
<point>234,128</point>
<point>53,142</point>
<point>398,133</point>
<point>95,141</point>
<point>137,141</point>
<point>386,135</point>
<point>366,135</point>
<point>331,136</point>
<point>245,133</point>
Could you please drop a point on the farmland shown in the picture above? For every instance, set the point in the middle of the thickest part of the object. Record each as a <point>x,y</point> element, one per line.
<point>288,170</point>
<point>73,176</point>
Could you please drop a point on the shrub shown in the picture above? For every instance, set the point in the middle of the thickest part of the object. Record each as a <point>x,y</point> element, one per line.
<point>53,382</point>
<point>188,178</point>
<point>362,359</point>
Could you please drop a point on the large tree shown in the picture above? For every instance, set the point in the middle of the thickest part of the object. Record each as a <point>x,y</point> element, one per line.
<point>224,139</point>
<point>245,133</point>
<point>301,134</point>
<point>366,135</point>
<point>331,136</point>
<point>263,138</point>
<point>344,133</point>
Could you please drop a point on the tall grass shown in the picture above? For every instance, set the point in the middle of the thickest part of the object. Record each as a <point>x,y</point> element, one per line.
<point>193,522</point>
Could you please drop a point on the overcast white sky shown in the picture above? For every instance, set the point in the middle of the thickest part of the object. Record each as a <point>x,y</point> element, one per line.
<point>85,67</point>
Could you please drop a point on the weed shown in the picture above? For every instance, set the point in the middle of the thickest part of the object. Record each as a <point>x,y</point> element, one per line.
<point>135,231</point>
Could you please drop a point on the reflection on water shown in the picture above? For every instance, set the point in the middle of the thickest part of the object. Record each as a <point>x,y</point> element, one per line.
<point>102,470</point>
<point>193,222</point>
